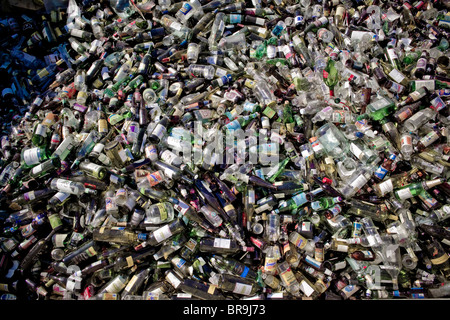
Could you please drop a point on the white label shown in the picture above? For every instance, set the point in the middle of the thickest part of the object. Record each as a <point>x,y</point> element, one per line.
<point>92,166</point>
<point>59,240</point>
<point>41,130</point>
<point>168,156</point>
<point>404,194</point>
<point>176,26</point>
<point>173,280</point>
<point>222,243</point>
<point>386,187</point>
<point>98,148</point>
<point>244,289</point>
<point>372,241</point>
<point>36,170</point>
<point>159,130</point>
<point>306,288</point>
<point>262,208</point>
<point>31,195</point>
<point>61,196</point>
<point>356,151</point>
<point>396,75</point>
<point>359,182</point>
<point>31,156</point>
<point>162,233</point>
<point>342,248</point>
<point>76,33</point>
<point>63,185</point>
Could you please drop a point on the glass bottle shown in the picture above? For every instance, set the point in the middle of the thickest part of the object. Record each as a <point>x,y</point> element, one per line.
<point>163,233</point>
<point>414,189</point>
<point>159,213</point>
<point>93,170</point>
<point>118,235</point>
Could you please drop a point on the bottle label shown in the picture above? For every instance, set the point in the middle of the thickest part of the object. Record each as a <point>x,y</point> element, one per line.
<point>381,172</point>
<point>270,265</point>
<point>300,199</point>
<point>244,289</point>
<point>405,114</point>
<point>437,104</point>
<point>58,240</point>
<point>396,75</point>
<point>180,263</point>
<point>356,151</point>
<point>168,157</point>
<point>288,277</point>
<point>396,87</point>
<point>92,167</point>
<point>41,130</point>
<point>404,194</point>
<point>55,220</point>
<point>181,209</point>
<point>421,63</point>
<point>159,130</point>
<point>386,187</point>
<point>154,178</point>
<point>151,152</point>
<point>64,185</point>
<point>379,104</point>
<point>185,9</point>
<point>406,140</point>
<point>429,138</point>
<point>359,182</point>
<point>222,243</point>
<point>235,18</point>
<point>392,54</point>
<point>299,241</point>
<point>162,211</point>
<point>31,156</point>
<point>416,95</point>
<point>162,234</point>
<point>440,260</point>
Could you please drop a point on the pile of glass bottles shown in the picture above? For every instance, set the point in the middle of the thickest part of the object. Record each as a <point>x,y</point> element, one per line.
<point>119,181</point>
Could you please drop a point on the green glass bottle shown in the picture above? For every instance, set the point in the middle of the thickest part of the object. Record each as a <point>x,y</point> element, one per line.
<point>325,203</point>
<point>331,76</point>
<point>380,108</point>
<point>293,203</point>
<point>236,267</point>
<point>33,156</point>
<point>277,170</point>
<point>414,189</point>
<point>288,117</point>
<point>45,167</point>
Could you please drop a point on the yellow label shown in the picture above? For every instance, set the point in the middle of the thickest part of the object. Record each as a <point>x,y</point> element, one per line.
<point>288,277</point>
<point>109,296</point>
<point>439,260</point>
<point>212,289</point>
<point>102,229</point>
<point>162,211</point>
<point>130,261</point>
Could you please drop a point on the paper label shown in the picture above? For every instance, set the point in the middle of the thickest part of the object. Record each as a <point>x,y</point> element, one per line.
<point>359,182</point>
<point>241,288</point>
<point>404,194</point>
<point>162,233</point>
<point>31,156</point>
<point>386,187</point>
<point>396,75</point>
<point>64,185</point>
<point>222,243</point>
